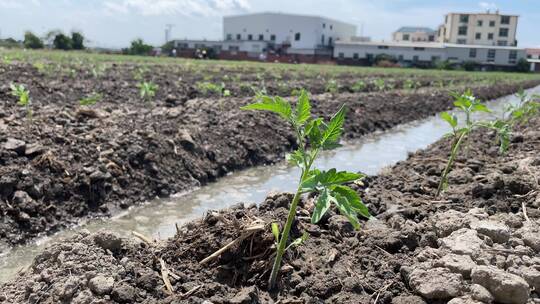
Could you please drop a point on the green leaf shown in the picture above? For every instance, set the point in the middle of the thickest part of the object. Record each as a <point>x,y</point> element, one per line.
<point>479,107</point>
<point>450,119</point>
<point>353,199</point>
<point>275,231</point>
<point>276,105</point>
<point>313,131</point>
<point>297,242</point>
<point>333,131</point>
<point>324,179</point>
<point>303,108</point>
<point>346,209</point>
<point>321,207</point>
<point>296,158</point>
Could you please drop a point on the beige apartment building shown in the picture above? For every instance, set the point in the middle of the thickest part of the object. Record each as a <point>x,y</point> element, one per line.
<point>487,28</point>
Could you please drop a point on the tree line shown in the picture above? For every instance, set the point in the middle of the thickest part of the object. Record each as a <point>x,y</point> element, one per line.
<point>57,39</point>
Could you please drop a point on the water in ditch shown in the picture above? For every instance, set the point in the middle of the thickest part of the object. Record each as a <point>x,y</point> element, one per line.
<point>158,218</point>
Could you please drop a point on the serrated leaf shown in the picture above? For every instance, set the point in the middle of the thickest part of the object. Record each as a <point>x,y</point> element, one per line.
<point>450,119</point>
<point>324,179</point>
<point>276,105</point>
<point>333,130</point>
<point>321,206</point>
<point>353,199</point>
<point>303,108</point>
<point>345,208</point>
<point>296,158</point>
<point>313,131</point>
<point>275,231</point>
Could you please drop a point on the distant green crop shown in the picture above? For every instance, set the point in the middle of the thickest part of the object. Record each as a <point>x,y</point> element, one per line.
<point>331,86</point>
<point>212,88</point>
<point>91,100</point>
<point>20,91</point>
<point>147,90</point>
<point>313,135</point>
<point>359,86</point>
<point>380,84</point>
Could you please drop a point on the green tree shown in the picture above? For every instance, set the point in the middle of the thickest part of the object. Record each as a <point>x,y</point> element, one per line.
<point>32,41</point>
<point>523,65</point>
<point>62,42</point>
<point>77,40</point>
<point>138,47</point>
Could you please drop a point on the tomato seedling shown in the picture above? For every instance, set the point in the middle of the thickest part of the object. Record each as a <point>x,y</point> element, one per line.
<point>313,136</point>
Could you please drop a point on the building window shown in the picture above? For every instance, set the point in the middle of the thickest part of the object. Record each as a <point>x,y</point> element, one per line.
<point>492,23</point>
<point>491,55</point>
<point>234,48</point>
<point>406,37</point>
<point>462,41</point>
<point>478,36</point>
<point>400,57</point>
<point>431,38</point>
<point>238,36</point>
<point>322,40</point>
<point>503,32</point>
<point>472,53</point>
<point>261,37</point>
<point>272,37</point>
<point>512,55</point>
<point>502,43</point>
<point>382,47</point>
<point>462,30</point>
<point>297,37</point>
<point>250,37</point>
<point>330,41</point>
<point>324,25</point>
<point>331,27</point>
<point>415,58</point>
<point>505,19</point>
<point>355,56</point>
<point>369,57</point>
<point>341,55</point>
<point>464,18</point>
<point>229,36</point>
<point>419,49</point>
<point>479,23</point>
<point>490,36</point>
<point>435,58</point>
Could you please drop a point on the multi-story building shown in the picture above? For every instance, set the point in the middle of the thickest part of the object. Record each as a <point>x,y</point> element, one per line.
<point>479,29</point>
<point>414,34</point>
<point>298,34</point>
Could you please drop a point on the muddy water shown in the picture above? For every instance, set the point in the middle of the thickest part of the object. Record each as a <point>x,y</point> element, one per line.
<point>158,218</point>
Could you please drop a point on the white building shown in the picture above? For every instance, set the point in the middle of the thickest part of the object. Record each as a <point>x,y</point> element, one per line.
<point>409,53</point>
<point>298,34</point>
<point>481,29</point>
<point>414,34</point>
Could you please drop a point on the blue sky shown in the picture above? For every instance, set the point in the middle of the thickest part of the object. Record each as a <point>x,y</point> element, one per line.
<point>114,23</point>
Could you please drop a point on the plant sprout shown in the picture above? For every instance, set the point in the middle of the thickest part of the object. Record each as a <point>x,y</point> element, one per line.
<point>331,86</point>
<point>313,136</point>
<point>359,86</point>
<point>20,91</point>
<point>469,104</point>
<point>147,90</point>
<point>90,100</point>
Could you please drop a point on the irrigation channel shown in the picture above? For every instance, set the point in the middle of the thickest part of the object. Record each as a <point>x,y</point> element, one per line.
<point>158,218</point>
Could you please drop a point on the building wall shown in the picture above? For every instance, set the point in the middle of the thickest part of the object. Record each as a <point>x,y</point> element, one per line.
<point>449,31</point>
<point>424,53</point>
<point>312,29</point>
<point>413,37</point>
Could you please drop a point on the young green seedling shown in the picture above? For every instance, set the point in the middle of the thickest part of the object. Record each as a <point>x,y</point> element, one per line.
<point>147,90</point>
<point>90,100</point>
<point>468,104</point>
<point>313,136</point>
<point>19,91</point>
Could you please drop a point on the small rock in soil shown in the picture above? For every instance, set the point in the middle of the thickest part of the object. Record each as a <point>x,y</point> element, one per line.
<point>463,241</point>
<point>101,285</point>
<point>505,287</point>
<point>124,293</point>
<point>247,295</point>
<point>531,236</point>
<point>450,221</point>
<point>108,241</point>
<point>436,283</point>
<point>479,293</point>
<point>16,145</point>
<point>408,300</point>
<point>497,231</point>
<point>464,300</point>
<point>462,264</point>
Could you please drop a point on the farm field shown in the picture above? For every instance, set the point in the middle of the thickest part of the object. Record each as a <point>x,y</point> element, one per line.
<point>110,132</point>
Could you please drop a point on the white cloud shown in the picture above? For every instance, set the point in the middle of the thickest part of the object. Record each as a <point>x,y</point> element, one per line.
<point>10,4</point>
<point>175,7</point>
<point>488,5</point>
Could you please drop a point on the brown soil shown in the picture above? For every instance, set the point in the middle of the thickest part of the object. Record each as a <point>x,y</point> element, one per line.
<point>72,162</point>
<point>471,245</point>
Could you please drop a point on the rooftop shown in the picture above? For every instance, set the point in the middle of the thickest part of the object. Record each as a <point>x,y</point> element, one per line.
<point>284,14</point>
<point>484,13</point>
<point>415,29</point>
